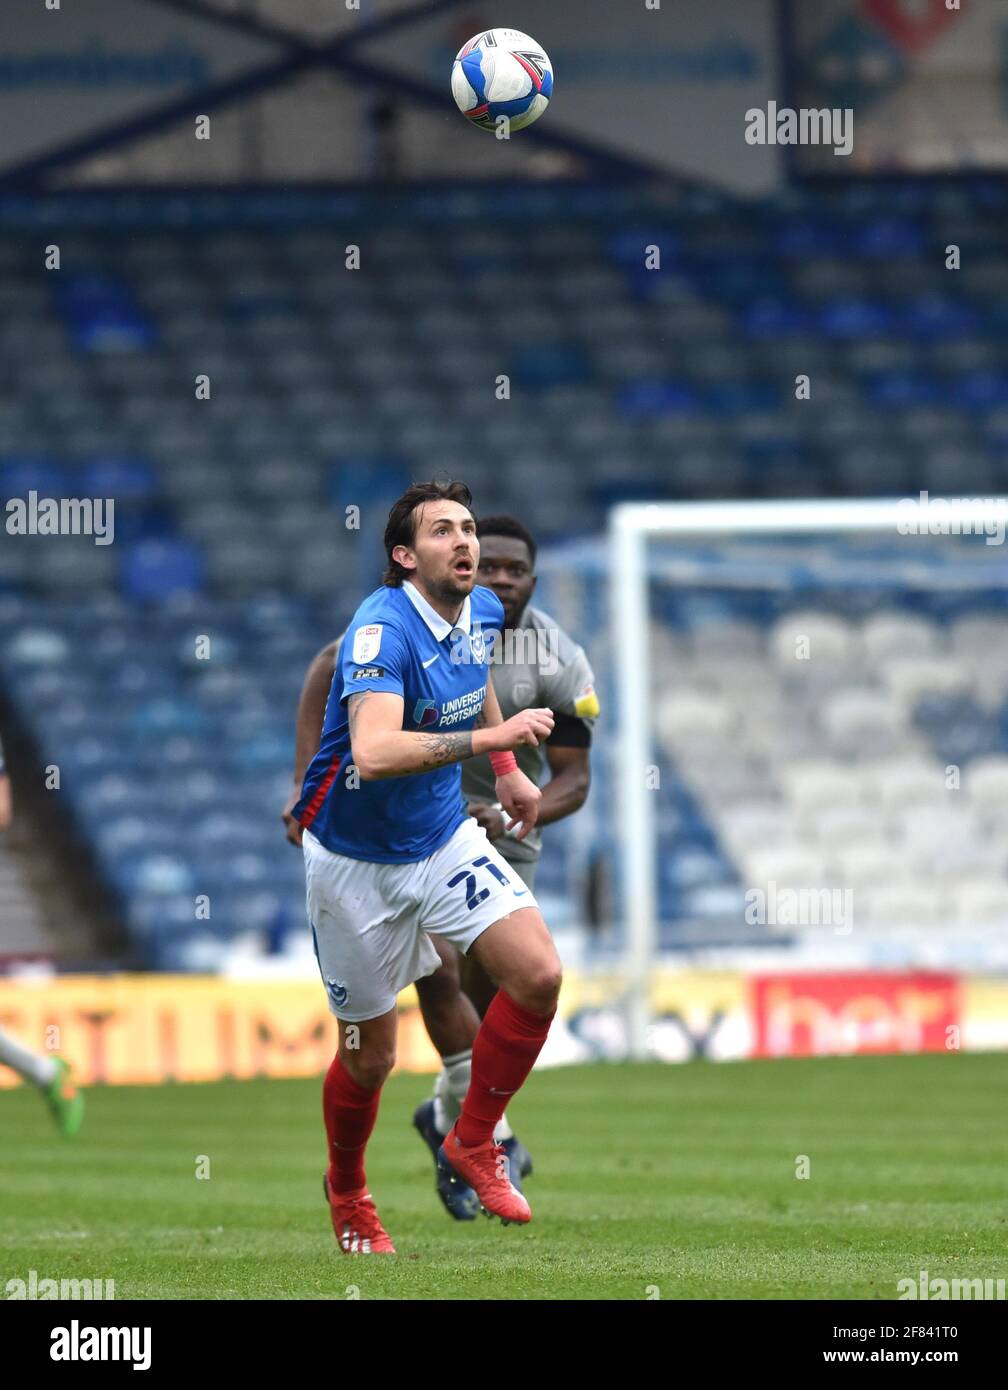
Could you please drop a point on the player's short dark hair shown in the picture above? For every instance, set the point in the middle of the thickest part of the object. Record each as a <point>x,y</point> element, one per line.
<point>402,520</point>
<point>507,526</point>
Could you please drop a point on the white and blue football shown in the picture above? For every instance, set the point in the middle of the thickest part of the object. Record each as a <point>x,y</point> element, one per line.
<point>502,72</point>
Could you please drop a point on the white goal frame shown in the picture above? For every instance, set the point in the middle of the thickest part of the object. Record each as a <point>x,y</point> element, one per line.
<point>631,525</point>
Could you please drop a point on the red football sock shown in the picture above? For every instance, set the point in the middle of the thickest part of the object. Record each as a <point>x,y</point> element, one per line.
<point>350,1113</point>
<point>508,1042</point>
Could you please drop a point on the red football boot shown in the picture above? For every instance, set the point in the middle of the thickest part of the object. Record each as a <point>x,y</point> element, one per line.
<point>485,1168</point>
<point>355,1222</point>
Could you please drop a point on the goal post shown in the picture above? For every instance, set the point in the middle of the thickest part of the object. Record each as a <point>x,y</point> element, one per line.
<point>632,526</point>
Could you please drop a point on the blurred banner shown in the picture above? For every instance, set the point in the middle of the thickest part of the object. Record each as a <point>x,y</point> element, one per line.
<point>812,1015</point>
<point>68,74</point>
<point>666,88</point>
<point>133,1030</point>
<point>669,87</point>
<point>927,82</point>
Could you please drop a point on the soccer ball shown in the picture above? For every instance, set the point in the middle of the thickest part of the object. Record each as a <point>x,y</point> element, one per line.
<point>502,72</point>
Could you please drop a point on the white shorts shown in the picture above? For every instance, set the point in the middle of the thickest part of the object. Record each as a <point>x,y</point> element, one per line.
<point>370,921</point>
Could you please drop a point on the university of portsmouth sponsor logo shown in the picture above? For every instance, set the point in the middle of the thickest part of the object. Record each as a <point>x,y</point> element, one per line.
<point>366,643</point>
<point>425,713</point>
<point>463,708</point>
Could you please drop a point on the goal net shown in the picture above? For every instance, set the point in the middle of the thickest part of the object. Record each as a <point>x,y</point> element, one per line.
<point>803,756</point>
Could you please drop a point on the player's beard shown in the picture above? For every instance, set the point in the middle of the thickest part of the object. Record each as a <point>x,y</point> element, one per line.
<point>450,589</point>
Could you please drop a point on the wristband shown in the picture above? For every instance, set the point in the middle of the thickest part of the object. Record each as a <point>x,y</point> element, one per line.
<point>503,763</point>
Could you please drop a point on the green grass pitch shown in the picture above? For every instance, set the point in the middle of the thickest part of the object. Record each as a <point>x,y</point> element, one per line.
<point>679,1179</point>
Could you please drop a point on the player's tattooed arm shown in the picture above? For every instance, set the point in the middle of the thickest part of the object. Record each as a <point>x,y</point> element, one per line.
<point>354,708</point>
<point>442,749</point>
<point>381,747</point>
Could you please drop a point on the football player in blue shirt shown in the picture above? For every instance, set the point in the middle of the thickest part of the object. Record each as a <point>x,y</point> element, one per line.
<point>392,855</point>
<point>539,665</point>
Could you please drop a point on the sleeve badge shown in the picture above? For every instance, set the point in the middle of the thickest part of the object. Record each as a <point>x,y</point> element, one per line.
<point>367,642</point>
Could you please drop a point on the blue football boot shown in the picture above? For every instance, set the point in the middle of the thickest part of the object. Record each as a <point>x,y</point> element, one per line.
<point>459,1200</point>
<point>519,1160</point>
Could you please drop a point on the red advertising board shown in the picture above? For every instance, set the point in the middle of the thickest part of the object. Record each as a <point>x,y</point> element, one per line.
<point>837,1014</point>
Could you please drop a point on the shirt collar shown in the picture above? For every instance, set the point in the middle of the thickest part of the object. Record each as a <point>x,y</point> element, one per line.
<point>439,626</point>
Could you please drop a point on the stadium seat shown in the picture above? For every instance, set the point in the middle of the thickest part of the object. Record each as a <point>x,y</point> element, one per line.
<point>237,509</point>
<point>906,904</point>
<point>801,639</point>
<point>903,782</point>
<point>814,786</point>
<point>986,782</point>
<point>911,677</point>
<point>982,902</point>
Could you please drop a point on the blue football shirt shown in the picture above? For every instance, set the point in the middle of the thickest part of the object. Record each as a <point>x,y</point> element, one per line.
<point>397,642</point>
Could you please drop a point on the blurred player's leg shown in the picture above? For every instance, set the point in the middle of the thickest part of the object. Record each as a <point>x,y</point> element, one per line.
<point>477,984</point>
<point>350,1096</point>
<point>53,1078</point>
<point>452,1024</point>
<point>518,952</point>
